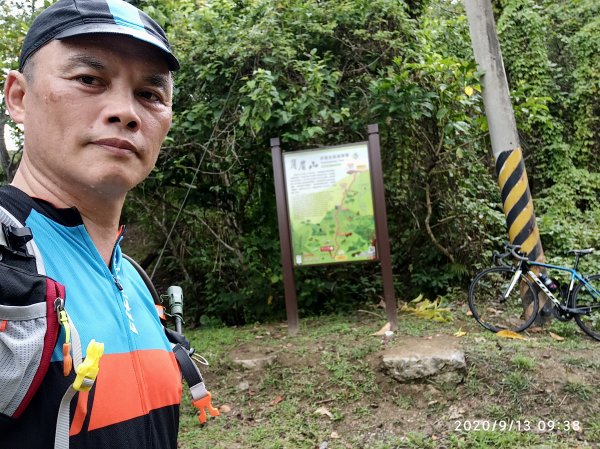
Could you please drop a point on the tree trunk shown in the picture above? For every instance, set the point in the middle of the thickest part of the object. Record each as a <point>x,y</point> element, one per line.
<point>5,158</point>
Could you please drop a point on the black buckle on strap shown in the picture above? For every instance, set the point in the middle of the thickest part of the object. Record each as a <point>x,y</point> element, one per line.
<point>14,240</point>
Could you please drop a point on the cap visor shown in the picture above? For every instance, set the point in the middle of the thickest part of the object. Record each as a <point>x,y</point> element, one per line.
<point>107,28</point>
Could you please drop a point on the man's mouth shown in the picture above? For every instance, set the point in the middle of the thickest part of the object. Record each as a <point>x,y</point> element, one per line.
<point>118,144</point>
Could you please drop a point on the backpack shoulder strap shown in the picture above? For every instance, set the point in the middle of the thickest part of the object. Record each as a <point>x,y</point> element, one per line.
<point>184,354</point>
<point>18,239</point>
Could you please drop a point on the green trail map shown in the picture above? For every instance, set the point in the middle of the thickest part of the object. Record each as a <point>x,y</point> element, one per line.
<point>330,205</point>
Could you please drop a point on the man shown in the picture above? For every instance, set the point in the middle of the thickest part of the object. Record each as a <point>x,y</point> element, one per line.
<point>93,94</point>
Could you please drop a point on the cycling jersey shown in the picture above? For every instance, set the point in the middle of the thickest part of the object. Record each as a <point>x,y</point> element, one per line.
<point>134,402</point>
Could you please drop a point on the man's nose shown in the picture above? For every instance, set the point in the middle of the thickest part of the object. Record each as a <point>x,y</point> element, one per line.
<point>122,110</point>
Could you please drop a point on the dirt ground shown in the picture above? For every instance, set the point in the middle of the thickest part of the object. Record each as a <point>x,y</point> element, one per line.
<point>326,388</point>
<point>516,393</point>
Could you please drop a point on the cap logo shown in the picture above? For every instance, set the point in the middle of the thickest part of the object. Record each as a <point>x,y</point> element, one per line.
<point>125,14</point>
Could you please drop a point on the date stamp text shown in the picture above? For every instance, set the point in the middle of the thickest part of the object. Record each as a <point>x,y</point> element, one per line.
<point>516,425</point>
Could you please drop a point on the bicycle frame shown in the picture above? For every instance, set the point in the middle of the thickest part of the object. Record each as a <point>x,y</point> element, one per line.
<point>575,276</point>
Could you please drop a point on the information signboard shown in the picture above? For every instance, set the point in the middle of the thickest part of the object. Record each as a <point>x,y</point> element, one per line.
<point>330,205</point>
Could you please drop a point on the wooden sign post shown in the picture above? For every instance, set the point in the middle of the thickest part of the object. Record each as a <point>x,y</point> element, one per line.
<point>289,281</point>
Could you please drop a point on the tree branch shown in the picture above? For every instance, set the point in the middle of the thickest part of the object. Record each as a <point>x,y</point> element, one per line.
<point>428,227</point>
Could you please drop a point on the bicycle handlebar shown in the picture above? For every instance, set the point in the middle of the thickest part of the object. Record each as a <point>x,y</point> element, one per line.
<point>514,251</point>
<point>498,259</point>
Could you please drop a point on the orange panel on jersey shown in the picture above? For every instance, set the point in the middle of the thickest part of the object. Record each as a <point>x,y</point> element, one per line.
<point>122,395</point>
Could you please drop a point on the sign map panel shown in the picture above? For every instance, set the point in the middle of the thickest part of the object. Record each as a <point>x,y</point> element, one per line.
<point>330,205</point>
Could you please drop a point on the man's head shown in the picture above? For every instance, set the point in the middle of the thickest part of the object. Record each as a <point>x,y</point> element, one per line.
<point>94,99</point>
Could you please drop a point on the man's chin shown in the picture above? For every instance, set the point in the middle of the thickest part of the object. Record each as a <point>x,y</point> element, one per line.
<point>112,187</point>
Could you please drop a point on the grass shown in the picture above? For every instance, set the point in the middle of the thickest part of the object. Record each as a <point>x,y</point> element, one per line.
<point>523,362</point>
<point>582,391</point>
<point>326,387</point>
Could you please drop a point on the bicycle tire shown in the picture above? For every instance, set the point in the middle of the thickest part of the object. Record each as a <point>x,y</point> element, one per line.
<point>488,308</point>
<point>582,297</point>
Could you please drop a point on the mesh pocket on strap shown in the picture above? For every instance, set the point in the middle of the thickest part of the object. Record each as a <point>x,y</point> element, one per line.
<point>28,334</point>
<point>21,347</point>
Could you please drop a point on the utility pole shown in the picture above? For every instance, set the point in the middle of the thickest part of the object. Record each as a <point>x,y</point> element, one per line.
<point>510,168</point>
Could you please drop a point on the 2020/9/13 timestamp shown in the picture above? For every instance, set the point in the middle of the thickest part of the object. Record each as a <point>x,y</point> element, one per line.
<point>509,425</point>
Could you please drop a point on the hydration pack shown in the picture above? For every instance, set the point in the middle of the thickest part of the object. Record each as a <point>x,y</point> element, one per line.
<point>30,306</point>
<point>32,314</point>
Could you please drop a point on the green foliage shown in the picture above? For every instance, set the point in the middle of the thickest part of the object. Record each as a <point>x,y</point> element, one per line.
<point>15,17</point>
<point>317,73</point>
<point>551,54</point>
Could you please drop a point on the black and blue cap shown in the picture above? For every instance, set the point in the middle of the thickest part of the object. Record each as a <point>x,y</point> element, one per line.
<point>70,18</point>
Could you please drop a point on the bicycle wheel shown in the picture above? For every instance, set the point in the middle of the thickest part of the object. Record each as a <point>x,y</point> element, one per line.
<point>492,310</point>
<point>585,298</point>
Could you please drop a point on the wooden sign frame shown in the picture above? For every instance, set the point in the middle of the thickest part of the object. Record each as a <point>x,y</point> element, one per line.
<point>381,229</point>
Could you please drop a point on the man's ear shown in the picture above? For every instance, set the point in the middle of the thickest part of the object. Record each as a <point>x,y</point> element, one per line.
<point>14,95</point>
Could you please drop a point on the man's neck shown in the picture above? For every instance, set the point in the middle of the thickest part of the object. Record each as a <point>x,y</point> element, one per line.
<point>100,214</point>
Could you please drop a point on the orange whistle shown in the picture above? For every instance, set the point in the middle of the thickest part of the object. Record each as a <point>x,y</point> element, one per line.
<point>67,359</point>
<point>204,404</point>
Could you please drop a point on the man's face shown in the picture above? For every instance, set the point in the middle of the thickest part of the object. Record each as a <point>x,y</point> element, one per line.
<point>96,111</point>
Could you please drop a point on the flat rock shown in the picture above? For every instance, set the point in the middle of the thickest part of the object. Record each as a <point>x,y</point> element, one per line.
<point>252,358</point>
<point>255,362</point>
<point>414,359</point>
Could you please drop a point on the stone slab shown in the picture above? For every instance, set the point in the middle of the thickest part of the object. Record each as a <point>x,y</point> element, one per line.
<point>254,362</point>
<point>414,359</point>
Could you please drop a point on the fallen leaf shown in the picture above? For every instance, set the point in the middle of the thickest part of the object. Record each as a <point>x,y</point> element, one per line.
<point>469,313</point>
<point>334,435</point>
<point>383,330</point>
<point>460,333</point>
<point>277,400</point>
<point>323,412</point>
<point>509,334</point>
<point>556,337</point>
<point>225,409</point>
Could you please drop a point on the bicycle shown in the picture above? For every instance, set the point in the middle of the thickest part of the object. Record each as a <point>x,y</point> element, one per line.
<point>503,296</point>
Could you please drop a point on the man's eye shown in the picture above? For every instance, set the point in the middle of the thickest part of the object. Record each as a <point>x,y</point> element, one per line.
<point>89,80</point>
<point>149,95</point>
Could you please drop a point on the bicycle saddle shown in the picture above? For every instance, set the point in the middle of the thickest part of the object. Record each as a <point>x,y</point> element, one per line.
<point>581,252</point>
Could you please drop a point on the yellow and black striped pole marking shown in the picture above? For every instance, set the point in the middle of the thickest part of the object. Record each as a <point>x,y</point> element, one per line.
<point>520,216</point>
<point>518,205</point>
